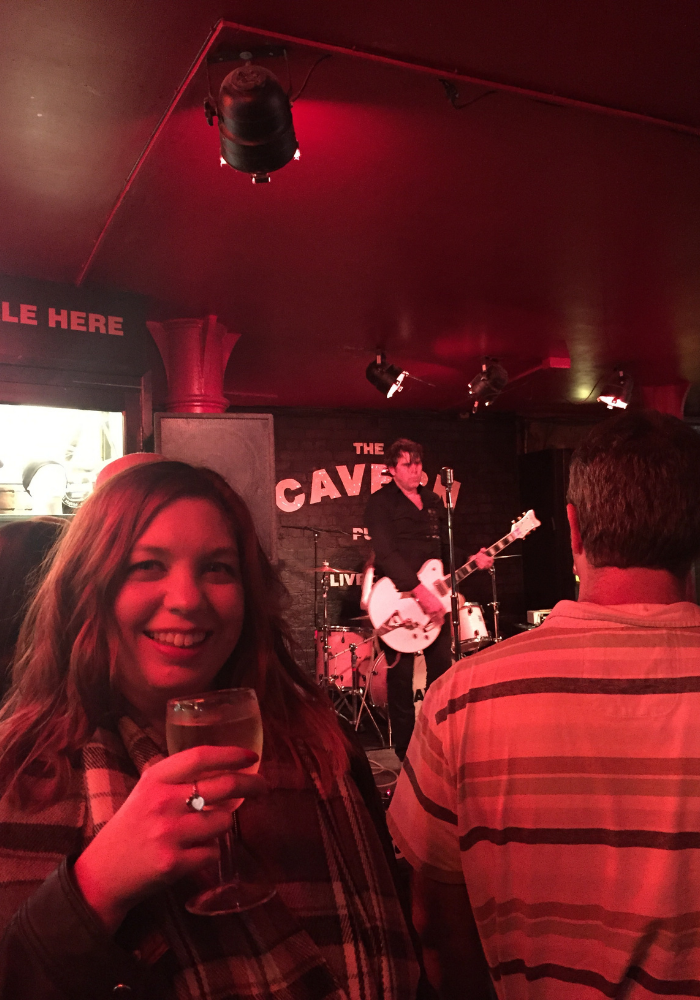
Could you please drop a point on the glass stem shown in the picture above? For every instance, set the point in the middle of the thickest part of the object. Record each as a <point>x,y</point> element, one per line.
<point>228,867</point>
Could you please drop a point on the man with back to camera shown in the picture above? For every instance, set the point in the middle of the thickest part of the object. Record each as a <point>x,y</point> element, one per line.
<point>550,800</point>
<point>406,523</point>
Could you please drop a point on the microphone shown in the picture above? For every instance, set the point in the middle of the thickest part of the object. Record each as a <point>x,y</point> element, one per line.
<point>447,476</point>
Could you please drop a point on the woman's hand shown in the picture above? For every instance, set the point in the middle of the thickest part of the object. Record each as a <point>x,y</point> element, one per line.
<point>154,839</point>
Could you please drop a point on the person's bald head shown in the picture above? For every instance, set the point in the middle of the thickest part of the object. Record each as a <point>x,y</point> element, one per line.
<point>126,462</point>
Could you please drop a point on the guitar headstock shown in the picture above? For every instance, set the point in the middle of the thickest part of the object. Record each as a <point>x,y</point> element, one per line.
<point>525,524</point>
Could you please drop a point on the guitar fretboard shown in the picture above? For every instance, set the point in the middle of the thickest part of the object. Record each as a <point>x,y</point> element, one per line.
<point>464,571</point>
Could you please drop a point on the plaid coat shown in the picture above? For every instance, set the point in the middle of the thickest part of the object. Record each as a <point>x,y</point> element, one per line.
<point>333,931</point>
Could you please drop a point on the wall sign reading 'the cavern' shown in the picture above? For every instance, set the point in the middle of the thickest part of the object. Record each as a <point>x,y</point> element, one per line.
<point>291,496</point>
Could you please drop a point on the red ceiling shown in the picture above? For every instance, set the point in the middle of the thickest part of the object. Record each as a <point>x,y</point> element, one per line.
<point>514,228</point>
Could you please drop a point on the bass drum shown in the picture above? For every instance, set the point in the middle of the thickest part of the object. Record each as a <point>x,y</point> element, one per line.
<point>378,695</point>
<point>472,628</point>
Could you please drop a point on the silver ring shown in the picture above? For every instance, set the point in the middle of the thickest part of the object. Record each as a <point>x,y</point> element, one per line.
<point>195,802</point>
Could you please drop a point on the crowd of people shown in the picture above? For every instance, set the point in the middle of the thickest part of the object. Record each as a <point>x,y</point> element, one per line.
<point>548,803</point>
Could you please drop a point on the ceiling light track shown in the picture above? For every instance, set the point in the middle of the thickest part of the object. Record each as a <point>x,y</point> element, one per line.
<point>224,54</point>
<point>452,94</point>
<point>441,72</point>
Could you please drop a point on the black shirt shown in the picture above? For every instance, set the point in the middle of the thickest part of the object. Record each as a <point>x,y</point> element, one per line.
<point>403,537</point>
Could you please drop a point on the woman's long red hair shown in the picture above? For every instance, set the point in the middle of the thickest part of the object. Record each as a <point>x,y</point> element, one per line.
<point>61,681</point>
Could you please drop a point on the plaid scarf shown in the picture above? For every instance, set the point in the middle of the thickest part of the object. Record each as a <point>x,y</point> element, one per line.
<point>333,931</point>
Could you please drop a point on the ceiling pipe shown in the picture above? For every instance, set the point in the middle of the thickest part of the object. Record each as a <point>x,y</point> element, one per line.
<point>199,59</point>
<point>553,361</point>
<point>378,57</point>
<point>437,71</point>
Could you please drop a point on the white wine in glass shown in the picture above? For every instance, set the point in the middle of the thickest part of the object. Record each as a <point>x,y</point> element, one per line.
<point>224,718</point>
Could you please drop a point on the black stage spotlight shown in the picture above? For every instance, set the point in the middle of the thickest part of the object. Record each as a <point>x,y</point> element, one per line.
<point>617,394</point>
<point>387,378</point>
<point>255,122</point>
<point>488,384</point>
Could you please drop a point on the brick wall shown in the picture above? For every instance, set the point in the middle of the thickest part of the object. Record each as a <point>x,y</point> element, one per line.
<point>481,451</point>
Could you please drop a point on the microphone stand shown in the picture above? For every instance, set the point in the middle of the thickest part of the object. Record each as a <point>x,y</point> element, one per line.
<point>447,478</point>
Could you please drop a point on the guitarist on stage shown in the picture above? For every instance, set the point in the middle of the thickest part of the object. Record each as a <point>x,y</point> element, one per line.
<point>407,524</point>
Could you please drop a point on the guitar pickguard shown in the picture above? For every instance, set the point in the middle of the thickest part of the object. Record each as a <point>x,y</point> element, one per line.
<point>431,575</point>
<point>399,619</point>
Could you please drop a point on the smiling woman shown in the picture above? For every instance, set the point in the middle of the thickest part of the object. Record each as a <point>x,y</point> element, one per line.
<point>161,589</point>
<point>179,612</point>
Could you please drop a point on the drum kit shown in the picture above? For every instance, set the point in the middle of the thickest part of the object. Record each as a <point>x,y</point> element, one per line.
<point>352,667</point>
<point>345,661</point>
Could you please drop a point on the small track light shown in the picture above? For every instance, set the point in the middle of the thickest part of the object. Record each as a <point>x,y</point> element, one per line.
<point>488,384</point>
<point>617,394</point>
<point>387,378</point>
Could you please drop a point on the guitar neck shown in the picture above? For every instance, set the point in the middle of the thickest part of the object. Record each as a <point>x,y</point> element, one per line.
<point>464,571</point>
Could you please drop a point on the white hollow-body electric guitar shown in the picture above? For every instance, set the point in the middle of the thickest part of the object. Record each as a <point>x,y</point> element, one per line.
<point>398,617</point>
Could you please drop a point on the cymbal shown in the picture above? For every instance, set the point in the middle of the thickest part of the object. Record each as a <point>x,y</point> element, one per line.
<point>359,618</point>
<point>328,569</point>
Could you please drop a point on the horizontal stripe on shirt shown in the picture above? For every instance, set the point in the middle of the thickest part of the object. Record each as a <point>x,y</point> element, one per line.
<point>580,765</point>
<point>655,839</point>
<point>587,912</point>
<point>570,685</point>
<point>675,787</point>
<point>584,977</point>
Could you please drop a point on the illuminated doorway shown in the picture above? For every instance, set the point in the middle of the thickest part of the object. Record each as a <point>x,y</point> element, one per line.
<point>50,456</point>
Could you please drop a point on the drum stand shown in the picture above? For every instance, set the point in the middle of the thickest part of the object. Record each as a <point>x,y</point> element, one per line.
<point>497,637</point>
<point>494,605</point>
<point>354,699</point>
<point>325,584</point>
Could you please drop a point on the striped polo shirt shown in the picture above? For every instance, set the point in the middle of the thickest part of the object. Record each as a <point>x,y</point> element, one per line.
<point>558,776</point>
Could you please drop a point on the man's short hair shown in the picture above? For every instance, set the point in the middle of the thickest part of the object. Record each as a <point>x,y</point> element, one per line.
<point>635,483</point>
<point>414,451</point>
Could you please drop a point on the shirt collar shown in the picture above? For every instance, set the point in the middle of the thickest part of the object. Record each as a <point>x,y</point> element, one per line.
<point>683,614</point>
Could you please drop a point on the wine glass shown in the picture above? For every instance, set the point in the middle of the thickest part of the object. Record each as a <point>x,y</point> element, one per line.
<point>224,718</point>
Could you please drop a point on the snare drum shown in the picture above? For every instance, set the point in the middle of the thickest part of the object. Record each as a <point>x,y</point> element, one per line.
<point>340,638</point>
<point>472,627</point>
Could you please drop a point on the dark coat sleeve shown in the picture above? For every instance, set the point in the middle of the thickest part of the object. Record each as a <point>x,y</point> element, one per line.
<point>385,544</point>
<point>364,779</point>
<point>55,949</point>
